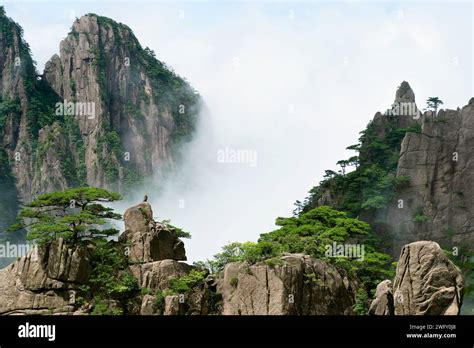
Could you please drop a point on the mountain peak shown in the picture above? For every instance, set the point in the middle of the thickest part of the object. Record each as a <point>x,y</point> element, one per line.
<point>404,93</point>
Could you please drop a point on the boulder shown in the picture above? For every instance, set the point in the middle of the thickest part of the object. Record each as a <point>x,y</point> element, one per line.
<point>172,305</point>
<point>149,305</point>
<point>427,282</point>
<point>148,240</point>
<point>157,275</point>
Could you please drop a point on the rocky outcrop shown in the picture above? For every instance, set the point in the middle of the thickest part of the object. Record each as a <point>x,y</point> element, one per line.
<point>50,277</point>
<point>426,283</point>
<point>148,240</point>
<point>153,250</point>
<point>45,281</point>
<point>295,284</point>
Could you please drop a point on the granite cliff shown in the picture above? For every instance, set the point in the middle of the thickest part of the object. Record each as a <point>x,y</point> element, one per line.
<point>105,112</point>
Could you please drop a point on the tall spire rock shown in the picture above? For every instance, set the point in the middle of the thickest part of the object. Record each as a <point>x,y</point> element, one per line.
<point>404,93</point>
<point>140,109</point>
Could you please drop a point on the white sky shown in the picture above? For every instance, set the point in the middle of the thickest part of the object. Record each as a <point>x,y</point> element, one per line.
<point>293,81</point>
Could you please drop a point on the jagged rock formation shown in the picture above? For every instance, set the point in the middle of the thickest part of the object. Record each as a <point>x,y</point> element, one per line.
<point>426,283</point>
<point>45,281</point>
<point>49,279</point>
<point>154,251</point>
<point>105,113</point>
<point>296,285</point>
<point>150,240</point>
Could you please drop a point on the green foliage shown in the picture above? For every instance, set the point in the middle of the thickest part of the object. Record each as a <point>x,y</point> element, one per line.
<point>419,215</point>
<point>102,308</point>
<point>74,171</point>
<point>145,291</point>
<point>310,233</point>
<point>110,279</point>
<point>420,218</point>
<point>109,149</point>
<point>433,103</point>
<point>73,86</point>
<point>179,232</point>
<point>373,184</point>
<point>463,258</point>
<point>182,285</point>
<point>40,96</point>
<point>234,252</point>
<point>186,283</point>
<point>8,108</point>
<point>160,298</point>
<point>174,92</point>
<point>73,214</point>
<point>361,300</point>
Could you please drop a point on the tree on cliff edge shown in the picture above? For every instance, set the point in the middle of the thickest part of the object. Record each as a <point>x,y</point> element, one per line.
<point>433,103</point>
<point>74,214</point>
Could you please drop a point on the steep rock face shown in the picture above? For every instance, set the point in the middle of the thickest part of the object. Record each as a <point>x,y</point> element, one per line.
<point>438,162</point>
<point>141,109</point>
<point>28,126</point>
<point>299,285</point>
<point>45,281</point>
<point>426,283</point>
<point>23,111</point>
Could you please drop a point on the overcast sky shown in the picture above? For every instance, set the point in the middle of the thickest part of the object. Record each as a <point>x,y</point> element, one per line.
<point>292,82</point>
